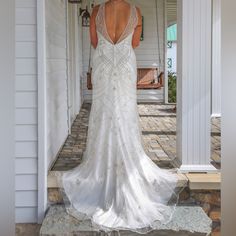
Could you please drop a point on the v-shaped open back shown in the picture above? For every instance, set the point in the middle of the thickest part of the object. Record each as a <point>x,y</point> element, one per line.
<point>102,27</point>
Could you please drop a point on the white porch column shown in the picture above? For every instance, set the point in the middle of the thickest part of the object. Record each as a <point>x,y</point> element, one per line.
<point>194,85</point>
<point>7,118</point>
<point>216,58</point>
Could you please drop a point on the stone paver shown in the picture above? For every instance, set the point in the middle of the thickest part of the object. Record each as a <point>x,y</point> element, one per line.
<point>158,123</point>
<point>27,229</point>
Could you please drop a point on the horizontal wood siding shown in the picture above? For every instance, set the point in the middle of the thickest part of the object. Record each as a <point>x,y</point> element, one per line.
<point>148,51</point>
<point>26,113</point>
<point>56,64</point>
<point>216,58</point>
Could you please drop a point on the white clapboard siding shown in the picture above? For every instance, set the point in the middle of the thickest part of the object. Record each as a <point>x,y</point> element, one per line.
<point>56,68</point>
<point>26,149</point>
<point>25,50</point>
<point>25,16</point>
<point>26,133</point>
<point>25,99</point>
<point>26,66</point>
<point>26,182</point>
<point>26,113</point>
<point>25,3</point>
<point>147,53</point>
<point>27,196</point>
<point>26,33</point>
<point>216,58</point>
<point>26,166</point>
<point>80,59</point>
<point>26,214</point>
<point>26,83</point>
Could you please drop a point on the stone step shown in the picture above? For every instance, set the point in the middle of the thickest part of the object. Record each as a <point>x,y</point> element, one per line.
<point>187,221</point>
<point>54,195</point>
<point>211,181</point>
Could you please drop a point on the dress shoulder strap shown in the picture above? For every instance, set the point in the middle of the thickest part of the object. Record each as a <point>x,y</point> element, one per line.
<point>100,21</point>
<point>101,24</point>
<point>132,23</point>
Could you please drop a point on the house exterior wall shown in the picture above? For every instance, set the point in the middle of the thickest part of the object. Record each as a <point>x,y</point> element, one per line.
<point>26,112</point>
<point>57,74</point>
<point>216,58</point>
<point>148,51</point>
<point>26,96</point>
<point>7,118</point>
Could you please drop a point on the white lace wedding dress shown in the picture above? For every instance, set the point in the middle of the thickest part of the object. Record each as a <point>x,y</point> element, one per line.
<point>117,186</point>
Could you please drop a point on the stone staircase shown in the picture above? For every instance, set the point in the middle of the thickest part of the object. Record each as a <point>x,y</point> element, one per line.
<point>200,198</point>
<point>189,219</point>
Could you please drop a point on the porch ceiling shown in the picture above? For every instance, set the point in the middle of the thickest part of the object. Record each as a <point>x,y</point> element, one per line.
<point>171,12</point>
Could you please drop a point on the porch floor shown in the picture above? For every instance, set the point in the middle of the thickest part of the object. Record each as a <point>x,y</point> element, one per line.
<point>158,122</point>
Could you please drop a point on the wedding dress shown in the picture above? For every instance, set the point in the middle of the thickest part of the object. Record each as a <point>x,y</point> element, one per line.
<point>117,186</point>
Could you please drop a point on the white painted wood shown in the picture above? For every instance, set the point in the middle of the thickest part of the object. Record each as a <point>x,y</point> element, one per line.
<point>25,16</point>
<point>25,99</point>
<point>25,49</point>
<point>26,116</point>
<point>7,90</point>
<point>26,33</point>
<point>26,149</point>
<point>171,7</point>
<point>26,214</point>
<point>168,16</point>
<point>26,66</point>
<point>216,58</point>
<point>26,182</point>
<point>78,61</point>
<point>194,85</point>
<point>25,3</point>
<point>26,83</point>
<point>228,128</point>
<point>56,69</point>
<point>26,166</point>
<point>26,198</point>
<point>71,61</point>
<point>26,120</point>
<point>26,133</point>
<point>42,111</point>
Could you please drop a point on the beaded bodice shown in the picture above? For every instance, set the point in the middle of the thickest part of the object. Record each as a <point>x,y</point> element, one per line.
<point>101,24</point>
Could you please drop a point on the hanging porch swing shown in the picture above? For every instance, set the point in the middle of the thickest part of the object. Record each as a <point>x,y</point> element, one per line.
<point>146,78</point>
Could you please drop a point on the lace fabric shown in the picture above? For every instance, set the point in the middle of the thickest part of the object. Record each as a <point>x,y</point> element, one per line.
<point>101,23</point>
<point>117,186</point>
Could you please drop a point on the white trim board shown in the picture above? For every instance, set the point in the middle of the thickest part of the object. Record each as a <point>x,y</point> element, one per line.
<point>42,119</point>
<point>7,118</point>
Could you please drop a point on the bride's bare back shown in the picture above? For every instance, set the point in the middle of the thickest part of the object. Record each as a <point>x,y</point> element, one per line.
<point>117,13</point>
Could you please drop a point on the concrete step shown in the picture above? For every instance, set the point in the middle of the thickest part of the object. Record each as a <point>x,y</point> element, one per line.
<point>54,195</point>
<point>187,221</point>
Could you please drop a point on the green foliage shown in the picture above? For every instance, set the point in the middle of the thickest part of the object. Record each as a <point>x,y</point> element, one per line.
<point>171,87</point>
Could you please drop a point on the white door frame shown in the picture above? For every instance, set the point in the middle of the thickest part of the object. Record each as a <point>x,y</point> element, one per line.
<point>72,64</point>
<point>42,106</point>
<point>42,112</point>
<point>165,59</point>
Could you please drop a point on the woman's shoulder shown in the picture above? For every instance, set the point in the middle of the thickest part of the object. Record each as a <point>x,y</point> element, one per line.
<point>95,10</point>
<point>137,9</point>
<point>97,6</point>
